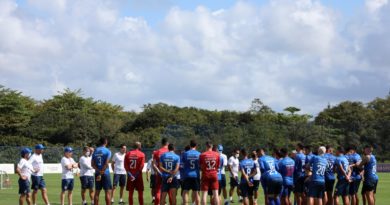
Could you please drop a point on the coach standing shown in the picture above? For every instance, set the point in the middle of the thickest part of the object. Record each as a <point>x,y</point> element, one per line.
<point>37,181</point>
<point>100,159</point>
<point>134,164</point>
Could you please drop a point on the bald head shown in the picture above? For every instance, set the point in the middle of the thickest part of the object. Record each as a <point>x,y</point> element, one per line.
<point>137,145</point>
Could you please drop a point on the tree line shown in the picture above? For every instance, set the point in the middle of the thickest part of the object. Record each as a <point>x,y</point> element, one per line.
<point>69,118</point>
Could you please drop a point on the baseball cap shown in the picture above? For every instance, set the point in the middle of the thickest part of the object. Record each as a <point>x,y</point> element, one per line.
<point>25,151</point>
<point>39,146</point>
<point>68,149</point>
<point>220,148</point>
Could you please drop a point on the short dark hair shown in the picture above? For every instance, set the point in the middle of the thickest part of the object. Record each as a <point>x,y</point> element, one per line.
<point>186,148</point>
<point>300,146</point>
<point>193,143</point>
<point>244,152</point>
<point>122,145</point>
<point>328,147</point>
<point>164,141</point>
<point>308,147</point>
<point>341,149</point>
<point>171,147</point>
<point>215,148</point>
<point>283,152</point>
<point>209,144</point>
<point>85,148</point>
<point>102,141</point>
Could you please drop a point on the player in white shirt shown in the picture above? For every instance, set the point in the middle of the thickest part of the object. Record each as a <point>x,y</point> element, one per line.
<point>256,178</point>
<point>117,165</point>
<point>37,181</point>
<point>233,166</point>
<point>222,182</point>
<point>149,169</point>
<point>24,170</point>
<point>87,173</point>
<point>67,183</point>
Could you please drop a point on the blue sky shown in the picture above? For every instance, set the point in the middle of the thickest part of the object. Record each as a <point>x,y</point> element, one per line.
<point>210,54</point>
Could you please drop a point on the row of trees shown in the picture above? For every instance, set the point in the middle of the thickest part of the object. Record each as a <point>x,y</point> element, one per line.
<point>68,118</point>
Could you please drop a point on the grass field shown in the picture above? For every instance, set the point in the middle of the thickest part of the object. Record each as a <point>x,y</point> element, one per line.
<point>53,181</point>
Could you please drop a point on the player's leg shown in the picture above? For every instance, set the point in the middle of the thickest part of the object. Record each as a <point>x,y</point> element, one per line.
<point>185,196</point>
<point>42,187</point>
<point>232,187</point>
<point>22,198</point>
<point>115,181</point>
<point>70,197</point>
<point>158,190</point>
<point>96,197</point>
<point>122,183</point>
<point>130,197</point>
<point>173,192</point>
<point>140,189</point>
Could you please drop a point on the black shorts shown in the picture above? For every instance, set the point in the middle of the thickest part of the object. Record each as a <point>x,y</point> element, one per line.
<point>191,184</point>
<point>104,183</point>
<point>354,187</point>
<point>316,189</point>
<point>329,185</point>
<point>175,184</point>
<point>87,182</point>
<point>246,190</point>
<point>369,185</point>
<point>274,187</point>
<point>299,185</point>
<point>342,188</point>
<point>256,184</point>
<point>233,182</point>
<point>222,182</point>
<point>119,179</point>
<point>152,181</point>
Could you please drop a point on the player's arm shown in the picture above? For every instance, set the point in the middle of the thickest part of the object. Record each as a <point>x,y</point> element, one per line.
<point>93,164</point>
<point>19,171</point>
<point>365,160</point>
<point>244,175</point>
<point>113,163</point>
<point>126,163</point>
<point>343,172</point>
<point>162,168</point>
<point>230,167</point>
<point>173,172</point>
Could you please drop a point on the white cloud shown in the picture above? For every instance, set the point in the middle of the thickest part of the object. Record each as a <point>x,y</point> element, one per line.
<point>285,52</point>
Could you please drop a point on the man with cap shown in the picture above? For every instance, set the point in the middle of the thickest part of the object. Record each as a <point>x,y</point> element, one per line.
<point>24,170</point>
<point>67,183</point>
<point>37,181</point>
<point>222,182</point>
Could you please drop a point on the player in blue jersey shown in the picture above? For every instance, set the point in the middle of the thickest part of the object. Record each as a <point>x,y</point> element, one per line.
<point>353,159</point>
<point>182,171</point>
<point>100,159</point>
<point>370,176</point>
<point>318,164</point>
<point>343,177</point>
<point>299,175</point>
<point>169,165</point>
<point>191,174</point>
<point>329,176</point>
<point>248,171</point>
<point>273,179</point>
<point>286,169</point>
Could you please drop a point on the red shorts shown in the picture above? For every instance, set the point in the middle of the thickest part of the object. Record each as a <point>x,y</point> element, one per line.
<point>137,184</point>
<point>209,182</point>
<point>158,182</point>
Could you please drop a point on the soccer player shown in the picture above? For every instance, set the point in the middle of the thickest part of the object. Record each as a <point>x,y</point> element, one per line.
<point>248,170</point>
<point>209,162</point>
<point>37,181</point>
<point>299,175</point>
<point>169,166</point>
<point>134,163</point>
<point>233,166</point>
<point>100,159</point>
<point>67,184</point>
<point>329,176</point>
<point>24,170</point>
<point>343,177</point>
<point>156,163</point>
<point>318,164</point>
<point>353,159</point>
<point>86,175</point>
<point>271,177</point>
<point>191,173</point>
<point>151,178</point>
<point>286,167</point>
<point>370,177</point>
<point>117,165</point>
<point>256,178</point>
<point>222,181</point>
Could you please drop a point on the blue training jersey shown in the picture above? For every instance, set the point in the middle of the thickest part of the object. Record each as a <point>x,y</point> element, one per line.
<point>248,165</point>
<point>329,172</point>
<point>343,162</point>
<point>300,160</point>
<point>286,169</point>
<point>100,157</point>
<point>268,167</point>
<point>169,161</point>
<point>191,164</point>
<point>370,169</point>
<point>319,165</point>
<point>221,162</point>
<point>353,159</point>
<point>181,167</point>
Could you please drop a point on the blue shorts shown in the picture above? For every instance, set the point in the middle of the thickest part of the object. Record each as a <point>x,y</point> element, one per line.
<point>369,185</point>
<point>329,185</point>
<point>316,189</point>
<point>354,187</point>
<point>67,184</point>
<point>87,182</point>
<point>104,183</point>
<point>37,182</point>
<point>342,188</point>
<point>167,186</point>
<point>191,184</point>
<point>274,187</point>
<point>299,185</point>
<point>222,181</point>
<point>287,189</point>
<point>119,179</point>
<point>24,186</point>
<point>246,190</point>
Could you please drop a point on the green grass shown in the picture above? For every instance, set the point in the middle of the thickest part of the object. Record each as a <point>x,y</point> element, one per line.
<point>53,181</point>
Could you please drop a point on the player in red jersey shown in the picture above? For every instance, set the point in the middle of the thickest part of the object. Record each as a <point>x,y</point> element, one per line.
<point>209,163</point>
<point>156,160</point>
<point>134,163</point>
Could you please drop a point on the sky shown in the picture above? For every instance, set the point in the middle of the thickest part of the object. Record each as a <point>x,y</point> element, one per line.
<point>216,55</point>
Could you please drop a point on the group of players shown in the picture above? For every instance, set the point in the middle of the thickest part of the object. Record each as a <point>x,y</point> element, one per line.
<point>310,176</point>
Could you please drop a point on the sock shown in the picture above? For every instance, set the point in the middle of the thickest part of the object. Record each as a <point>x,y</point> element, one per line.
<point>240,198</point>
<point>120,200</point>
<point>277,201</point>
<point>231,198</point>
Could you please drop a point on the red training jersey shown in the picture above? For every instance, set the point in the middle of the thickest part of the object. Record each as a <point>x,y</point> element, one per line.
<point>157,154</point>
<point>209,163</point>
<point>134,161</point>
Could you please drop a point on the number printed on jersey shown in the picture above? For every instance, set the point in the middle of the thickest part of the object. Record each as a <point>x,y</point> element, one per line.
<point>168,166</point>
<point>210,164</point>
<point>271,165</point>
<point>192,164</point>
<point>133,164</point>
<point>320,170</point>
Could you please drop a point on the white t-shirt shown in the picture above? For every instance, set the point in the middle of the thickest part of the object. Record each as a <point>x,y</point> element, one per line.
<point>37,162</point>
<point>66,173</point>
<point>149,166</point>
<point>258,174</point>
<point>86,168</point>
<point>234,163</point>
<point>119,166</point>
<point>225,162</point>
<point>25,167</point>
